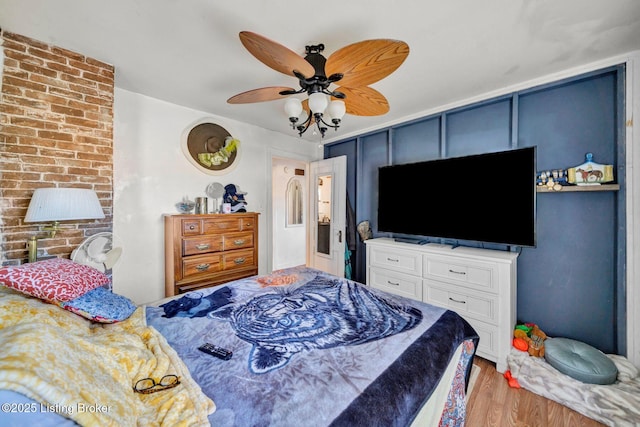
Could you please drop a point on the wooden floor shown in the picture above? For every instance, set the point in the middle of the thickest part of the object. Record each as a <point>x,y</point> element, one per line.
<point>494,403</point>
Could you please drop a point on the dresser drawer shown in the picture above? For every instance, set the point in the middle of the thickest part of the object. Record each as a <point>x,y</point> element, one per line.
<point>396,283</point>
<point>226,223</point>
<point>395,259</point>
<point>474,274</point>
<point>201,265</point>
<point>480,306</point>
<point>232,241</point>
<point>238,259</point>
<point>201,245</point>
<point>488,347</point>
<point>191,227</point>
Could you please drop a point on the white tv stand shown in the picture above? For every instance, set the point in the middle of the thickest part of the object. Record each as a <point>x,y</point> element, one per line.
<point>478,284</point>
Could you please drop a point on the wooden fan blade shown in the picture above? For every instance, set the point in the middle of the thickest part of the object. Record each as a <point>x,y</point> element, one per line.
<point>259,95</point>
<point>364,101</point>
<point>367,62</point>
<point>274,55</point>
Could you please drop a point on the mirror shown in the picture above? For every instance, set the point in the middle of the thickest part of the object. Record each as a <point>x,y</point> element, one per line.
<point>294,199</point>
<point>324,214</point>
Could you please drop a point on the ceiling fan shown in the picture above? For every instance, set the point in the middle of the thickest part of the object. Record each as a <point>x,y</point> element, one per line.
<point>353,67</point>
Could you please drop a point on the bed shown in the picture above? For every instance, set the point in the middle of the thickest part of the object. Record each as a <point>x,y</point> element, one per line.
<point>307,348</point>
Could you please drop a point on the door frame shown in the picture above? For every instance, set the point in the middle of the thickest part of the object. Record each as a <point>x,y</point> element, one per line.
<point>273,153</point>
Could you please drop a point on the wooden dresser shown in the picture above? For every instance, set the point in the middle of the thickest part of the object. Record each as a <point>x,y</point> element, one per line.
<point>207,250</point>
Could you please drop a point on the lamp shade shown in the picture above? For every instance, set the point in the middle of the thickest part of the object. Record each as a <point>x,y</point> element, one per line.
<point>293,107</point>
<point>63,204</point>
<point>318,102</point>
<point>336,109</point>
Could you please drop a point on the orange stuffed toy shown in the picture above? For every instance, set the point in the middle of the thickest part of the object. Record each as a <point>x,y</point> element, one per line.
<point>529,338</point>
<point>521,340</point>
<point>536,343</point>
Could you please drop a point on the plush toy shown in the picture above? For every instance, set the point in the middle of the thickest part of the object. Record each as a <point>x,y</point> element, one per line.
<point>536,343</point>
<point>521,340</point>
<point>530,338</point>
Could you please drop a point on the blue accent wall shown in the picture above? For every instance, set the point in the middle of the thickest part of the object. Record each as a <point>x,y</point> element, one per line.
<point>572,283</point>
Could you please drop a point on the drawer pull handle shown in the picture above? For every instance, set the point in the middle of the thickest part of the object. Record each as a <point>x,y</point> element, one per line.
<point>239,260</point>
<point>203,267</point>
<point>392,283</point>
<point>457,272</point>
<point>203,247</point>
<point>392,259</point>
<point>238,242</point>
<point>458,301</point>
<point>192,227</point>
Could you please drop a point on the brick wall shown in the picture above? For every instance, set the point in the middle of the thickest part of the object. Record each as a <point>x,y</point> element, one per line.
<point>56,121</point>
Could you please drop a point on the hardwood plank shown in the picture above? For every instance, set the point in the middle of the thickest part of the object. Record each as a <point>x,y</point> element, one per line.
<point>494,404</point>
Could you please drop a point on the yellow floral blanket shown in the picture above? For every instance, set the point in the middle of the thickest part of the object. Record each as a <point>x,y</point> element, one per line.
<point>86,371</point>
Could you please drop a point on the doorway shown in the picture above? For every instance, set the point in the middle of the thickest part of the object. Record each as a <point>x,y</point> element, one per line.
<point>289,204</point>
<point>308,203</point>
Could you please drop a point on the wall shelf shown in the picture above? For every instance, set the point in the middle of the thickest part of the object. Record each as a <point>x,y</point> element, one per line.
<point>573,188</point>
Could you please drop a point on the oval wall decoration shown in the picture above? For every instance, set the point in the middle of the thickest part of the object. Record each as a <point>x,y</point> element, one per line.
<point>210,148</point>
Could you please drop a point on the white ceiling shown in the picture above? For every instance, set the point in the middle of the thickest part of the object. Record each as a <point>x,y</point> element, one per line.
<point>188,52</point>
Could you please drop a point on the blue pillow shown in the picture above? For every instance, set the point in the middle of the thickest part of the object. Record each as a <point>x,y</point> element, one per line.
<point>101,305</point>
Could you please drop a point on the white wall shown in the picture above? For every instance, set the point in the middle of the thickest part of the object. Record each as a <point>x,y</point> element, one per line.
<point>289,242</point>
<point>151,174</point>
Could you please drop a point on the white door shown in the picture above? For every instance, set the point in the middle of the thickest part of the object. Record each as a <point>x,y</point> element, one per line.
<point>327,215</point>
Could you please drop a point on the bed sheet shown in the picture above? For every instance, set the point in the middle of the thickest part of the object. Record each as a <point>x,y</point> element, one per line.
<point>314,347</point>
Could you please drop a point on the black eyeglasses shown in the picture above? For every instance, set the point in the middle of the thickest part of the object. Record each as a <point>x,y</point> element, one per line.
<point>149,385</point>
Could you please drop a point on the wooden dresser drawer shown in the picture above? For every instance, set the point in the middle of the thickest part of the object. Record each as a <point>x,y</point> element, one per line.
<point>474,274</point>
<point>481,306</point>
<point>201,245</point>
<point>228,223</point>
<point>191,227</point>
<point>233,260</point>
<point>201,265</point>
<point>396,283</point>
<point>232,241</point>
<point>395,259</point>
<point>205,250</point>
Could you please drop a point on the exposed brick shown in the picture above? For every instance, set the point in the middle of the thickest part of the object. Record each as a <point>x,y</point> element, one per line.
<point>46,54</point>
<point>58,136</point>
<point>39,70</point>
<point>22,82</point>
<point>57,130</point>
<point>83,122</point>
<point>51,99</point>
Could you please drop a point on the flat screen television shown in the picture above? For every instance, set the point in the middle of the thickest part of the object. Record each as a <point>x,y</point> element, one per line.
<point>482,198</point>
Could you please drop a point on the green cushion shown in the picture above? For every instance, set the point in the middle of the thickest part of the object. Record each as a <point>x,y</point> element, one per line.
<point>580,361</point>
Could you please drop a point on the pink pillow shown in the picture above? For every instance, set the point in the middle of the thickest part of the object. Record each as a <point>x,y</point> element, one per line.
<point>53,280</point>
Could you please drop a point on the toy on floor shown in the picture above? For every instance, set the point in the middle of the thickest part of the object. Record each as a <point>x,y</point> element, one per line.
<point>536,346</point>
<point>513,383</point>
<point>530,338</point>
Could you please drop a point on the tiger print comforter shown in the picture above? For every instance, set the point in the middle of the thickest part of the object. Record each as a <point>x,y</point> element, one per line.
<point>312,349</point>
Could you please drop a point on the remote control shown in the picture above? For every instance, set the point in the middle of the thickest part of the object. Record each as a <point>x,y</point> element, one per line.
<point>216,351</point>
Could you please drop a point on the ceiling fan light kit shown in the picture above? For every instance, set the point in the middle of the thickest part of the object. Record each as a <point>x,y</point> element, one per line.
<point>356,66</point>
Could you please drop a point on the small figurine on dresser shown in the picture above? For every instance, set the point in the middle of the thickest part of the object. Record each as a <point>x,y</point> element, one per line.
<point>235,198</point>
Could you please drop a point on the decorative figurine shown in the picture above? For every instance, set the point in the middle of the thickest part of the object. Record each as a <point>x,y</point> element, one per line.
<point>590,173</point>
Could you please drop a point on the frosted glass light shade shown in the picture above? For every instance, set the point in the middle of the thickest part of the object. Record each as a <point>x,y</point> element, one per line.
<point>63,204</point>
<point>318,102</point>
<point>337,109</point>
<point>293,107</point>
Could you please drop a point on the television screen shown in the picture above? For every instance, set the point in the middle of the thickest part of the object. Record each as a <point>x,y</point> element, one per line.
<point>485,198</point>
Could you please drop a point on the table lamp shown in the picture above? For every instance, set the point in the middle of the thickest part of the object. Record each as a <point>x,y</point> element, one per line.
<point>60,204</point>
